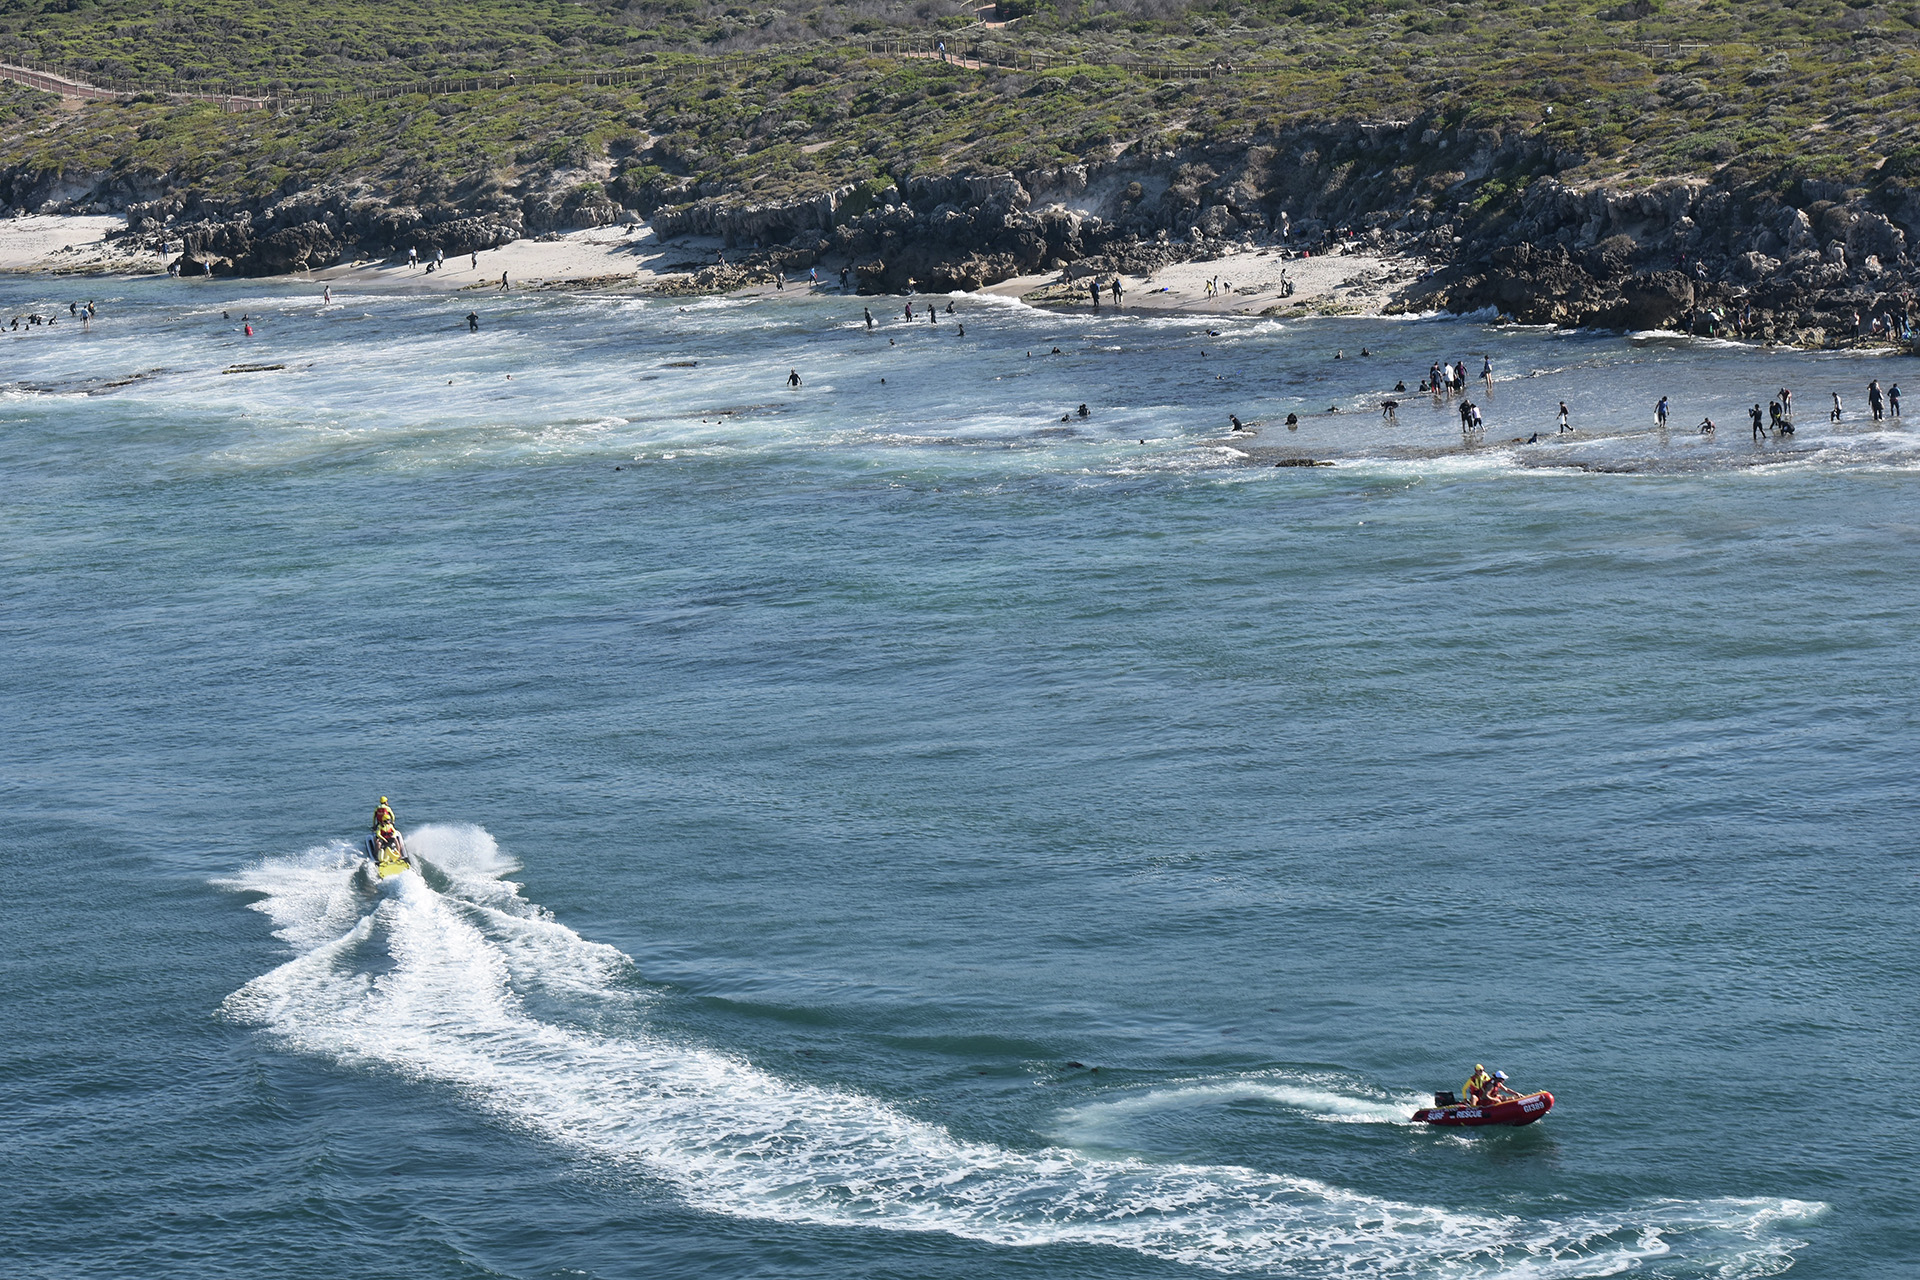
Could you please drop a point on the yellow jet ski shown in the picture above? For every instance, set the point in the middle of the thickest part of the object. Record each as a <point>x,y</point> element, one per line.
<point>388,853</point>
<point>384,847</point>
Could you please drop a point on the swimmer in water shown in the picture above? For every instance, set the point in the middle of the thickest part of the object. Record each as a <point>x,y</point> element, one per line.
<point>1237,424</point>
<point>793,378</point>
<point>1706,426</point>
<point>1293,422</point>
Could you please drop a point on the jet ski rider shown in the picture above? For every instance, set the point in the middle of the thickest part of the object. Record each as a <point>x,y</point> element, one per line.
<point>384,836</point>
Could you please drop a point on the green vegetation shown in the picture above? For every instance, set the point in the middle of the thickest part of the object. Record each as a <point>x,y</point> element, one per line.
<point>1777,88</point>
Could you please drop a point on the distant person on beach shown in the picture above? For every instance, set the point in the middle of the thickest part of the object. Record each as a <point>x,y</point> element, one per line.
<point>908,310</point>
<point>1660,414</point>
<point>413,258</point>
<point>1563,417</point>
<point>439,258</point>
<point>473,322</point>
<point>1835,415</point>
<point>844,273</point>
<point>868,312</point>
<point>1486,368</point>
<point>503,282</point>
<point>1093,289</point>
<point>1116,291</point>
<point>476,260</point>
<point>793,379</point>
<point>326,294</point>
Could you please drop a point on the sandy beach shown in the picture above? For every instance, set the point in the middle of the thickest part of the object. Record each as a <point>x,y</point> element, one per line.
<point>1250,282</point>
<point>1253,282</point>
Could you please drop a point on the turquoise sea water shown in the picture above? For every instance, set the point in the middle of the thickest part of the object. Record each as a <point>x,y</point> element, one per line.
<point>882,830</point>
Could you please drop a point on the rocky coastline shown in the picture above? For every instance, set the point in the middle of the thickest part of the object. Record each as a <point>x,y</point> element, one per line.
<point>1505,222</point>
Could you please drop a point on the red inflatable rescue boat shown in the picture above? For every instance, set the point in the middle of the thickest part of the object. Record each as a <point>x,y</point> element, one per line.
<point>1513,1111</point>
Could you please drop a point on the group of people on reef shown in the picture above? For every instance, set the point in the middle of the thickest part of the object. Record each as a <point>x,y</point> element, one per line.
<point>82,311</point>
<point>1442,377</point>
<point>1483,1090</point>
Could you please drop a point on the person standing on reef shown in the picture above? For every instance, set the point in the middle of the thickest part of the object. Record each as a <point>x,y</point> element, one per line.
<point>1786,402</point>
<point>1893,399</point>
<point>868,312</point>
<point>1116,291</point>
<point>473,322</point>
<point>1874,402</point>
<point>1753,416</point>
<point>326,294</point>
<point>503,282</point>
<point>1563,417</point>
<point>1835,415</point>
<point>1660,414</point>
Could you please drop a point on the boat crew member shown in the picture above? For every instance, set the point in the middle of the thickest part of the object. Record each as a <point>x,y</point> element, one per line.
<point>1479,1080</point>
<point>1496,1090</point>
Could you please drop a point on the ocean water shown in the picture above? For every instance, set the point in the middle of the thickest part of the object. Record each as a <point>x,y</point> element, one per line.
<point>884,829</point>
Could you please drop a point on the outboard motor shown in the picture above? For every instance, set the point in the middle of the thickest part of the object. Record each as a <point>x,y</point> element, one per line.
<point>1445,1100</point>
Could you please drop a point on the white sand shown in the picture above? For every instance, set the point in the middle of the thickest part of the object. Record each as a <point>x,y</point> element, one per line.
<point>1359,282</point>
<point>613,256</point>
<point>74,244</point>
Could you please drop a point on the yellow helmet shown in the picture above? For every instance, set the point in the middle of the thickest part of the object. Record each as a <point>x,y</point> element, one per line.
<point>383,799</point>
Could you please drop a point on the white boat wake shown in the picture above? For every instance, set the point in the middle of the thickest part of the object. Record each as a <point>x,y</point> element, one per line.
<point>442,986</point>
